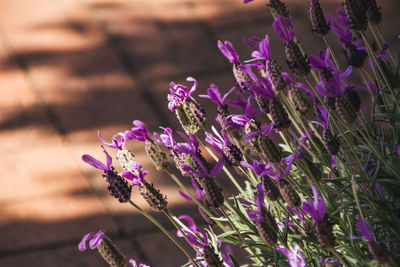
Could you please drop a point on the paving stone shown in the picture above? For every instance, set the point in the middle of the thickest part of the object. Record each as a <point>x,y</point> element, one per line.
<point>51,220</point>
<point>68,256</point>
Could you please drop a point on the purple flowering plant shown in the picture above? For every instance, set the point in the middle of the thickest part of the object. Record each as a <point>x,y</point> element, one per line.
<point>318,155</point>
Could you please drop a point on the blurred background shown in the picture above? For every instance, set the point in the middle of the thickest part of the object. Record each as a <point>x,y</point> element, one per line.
<point>71,67</point>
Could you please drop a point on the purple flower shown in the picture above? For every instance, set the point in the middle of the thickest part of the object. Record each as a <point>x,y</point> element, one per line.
<point>228,51</point>
<point>398,150</point>
<point>94,240</point>
<point>166,138</point>
<point>240,103</point>
<point>336,85</point>
<point>199,192</point>
<point>118,140</point>
<point>204,173</point>
<point>190,147</point>
<point>133,262</point>
<point>321,61</point>
<point>192,226</point>
<point>214,94</point>
<point>290,159</point>
<point>257,214</point>
<point>296,257</point>
<point>219,143</point>
<point>261,169</point>
<point>242,120</point>
<point>341,27</point>
<point>263,53</point>
<point>139,132</point>
<point>323,116</point>
<point>284,28</point>
<point>98,164</point>
<point>180,93</point>
<point>137,178</point>
<point>315,208</point>
<point>365,229</point>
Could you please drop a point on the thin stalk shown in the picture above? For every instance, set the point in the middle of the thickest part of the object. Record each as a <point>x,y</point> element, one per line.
<point>326,40</point>
<point>165,231</point>
<point>382,39</point>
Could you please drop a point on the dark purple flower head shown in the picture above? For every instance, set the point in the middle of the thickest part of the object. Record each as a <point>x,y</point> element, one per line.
<point>118,140</point>
<point>137,177</point>
<point>341,27</point>
<point>284,28</point>
<point>321,61</point>
<point>139,132</point>
<point>134,264</point>
<point>228,51</point>
<point>315,208</point>
<point>204,173</point>
<point>199,192</point>
<point>296,257</point>
<point>166,138</point>
<point>365,229</point>
<point>94,240</point>
<point>97,163</point>
<point>214,94</point>
<point>219,143</point>
<point>180,93</point>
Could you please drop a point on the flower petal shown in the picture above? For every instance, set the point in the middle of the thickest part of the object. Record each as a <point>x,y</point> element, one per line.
<point>85,238</point>
<point>96,240</point>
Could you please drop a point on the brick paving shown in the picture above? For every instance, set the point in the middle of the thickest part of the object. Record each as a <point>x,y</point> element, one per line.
<point>71,67</point>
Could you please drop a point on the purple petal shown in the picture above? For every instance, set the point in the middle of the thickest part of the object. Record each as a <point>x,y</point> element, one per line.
<point>284,28</point>
<point>398,150</point>
<point>190,221</point>
<point>94,162</point>
<point>362,226</point>
<point>185,196</point>
<point>96,240</point>
<point>85,238</point>
<point>194,87</point>
<point>250,136</point>
<point>228,93</point>
<point>133,262</point>
<point>214,94</point>
<point>218,167</point>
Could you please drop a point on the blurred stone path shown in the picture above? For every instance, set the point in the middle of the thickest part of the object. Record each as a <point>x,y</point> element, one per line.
<point>71,67</point>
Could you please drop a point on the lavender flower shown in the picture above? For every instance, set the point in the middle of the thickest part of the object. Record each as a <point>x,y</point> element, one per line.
<point>398,150</point>
<point>284,28</point>
<point>118,140</point>
<point>98,164</point>
<point>166,138</point>
<point>137,178</point>
<point>263,53</point>
<point>94,240</point>
<point>340,27</point>
<point>203,172</point>
<point>315,208</point>
<point>296,257</point>
<point>139,132</point>
<point>180,93</point>
<point>229,52</point>
<point>214,94</point>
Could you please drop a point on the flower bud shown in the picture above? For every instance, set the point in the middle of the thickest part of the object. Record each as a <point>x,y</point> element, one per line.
<point>241,78</point>
<point>279,116</point>
<point>156,155</point>
<point>274,72</point>
<point>268,229</point>
<point>356,15</point>
<point>268,147</point>
<point>118,186</point>
<point>344,105</point>
<point>213,193</point>
<point>270,187</point>
<point>289,194</point>
<point>125,157</point>
<point>212,259</point>
<point>153,196</point>
<point>318,21</point>
<point>278,8</point>
<point>191,116</point>
<point>296,60</point>
<point>308,168</point>
<point>111,254</point>
<point>232,154</point>
<point>324,232</point>
<point>331,142</point>
<point>298,100</point>
<point>263,104</point>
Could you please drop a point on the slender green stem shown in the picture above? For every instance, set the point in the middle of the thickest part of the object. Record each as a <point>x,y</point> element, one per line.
<point>165,231</point>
